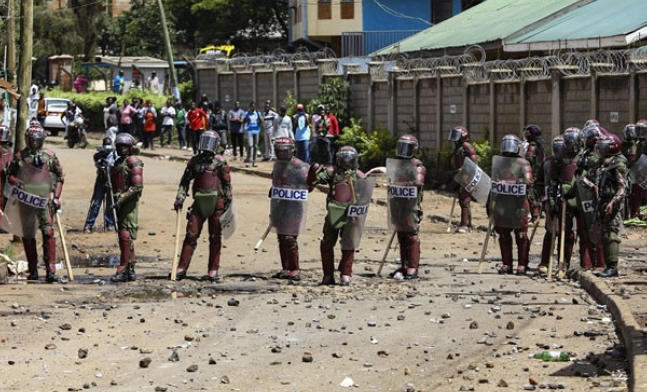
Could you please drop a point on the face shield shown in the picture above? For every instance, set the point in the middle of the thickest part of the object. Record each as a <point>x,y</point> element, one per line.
<point>405,149</point>
<point>559,148</point>
<point>455,135</point>
<point>347,159</point>
<point>641,131</point>
<point>510,146</point>
<point>602,147</point>
<point>208,142</point>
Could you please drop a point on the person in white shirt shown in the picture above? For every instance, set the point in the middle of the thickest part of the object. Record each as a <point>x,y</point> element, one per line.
<point>282,125</point>
<point>154,83</point>
<point>168,122</point>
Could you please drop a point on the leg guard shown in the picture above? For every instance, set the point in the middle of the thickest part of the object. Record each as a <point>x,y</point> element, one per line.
<point>586,247</point>
<point>413,242</point>
<point>29,244</point>
<point>49,249</point>
<point>505,243</point>
<point>327,259</point>
<point>546,250</point>
<point>464,200</point>
<point>125,243</point>
<point>193,228</point>
<point>523,248</point>
<point>611,246</point>
<point>346,262</point>
<point>404,249</point>
<point>283,252</point>
<point>291,253</point>
<point>215,245</point>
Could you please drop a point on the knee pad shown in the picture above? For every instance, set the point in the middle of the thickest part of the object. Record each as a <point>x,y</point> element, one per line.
<point>290,242</point>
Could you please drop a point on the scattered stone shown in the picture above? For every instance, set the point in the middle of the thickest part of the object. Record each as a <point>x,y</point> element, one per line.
<point>533,381</point>
<point>224,380</point>
<point>65,327</point>
<point>510,325</point>
<point>489,364</point>
<point>401,317</point>
<point>192,369</point>
<point>445,316</point>
<point>502,383</point>
<point>383,353</point>
<point>307,357</point>
<point>407,371</point>
<point>529,387</point>
<point>371,323</point>
<point>212,361</point>
<point>83,353</point>
<point>276,350</point>
<point>233,302</point>
<point>474,325</point>
<point>336,355</point>
<point>161,389</point>
<point>174,357</point>
<point>50,346</point>
<point>145,362</point>
<point>145,350</point>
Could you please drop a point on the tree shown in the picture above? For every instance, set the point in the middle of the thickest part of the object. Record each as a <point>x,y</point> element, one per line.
<point>87,13</point>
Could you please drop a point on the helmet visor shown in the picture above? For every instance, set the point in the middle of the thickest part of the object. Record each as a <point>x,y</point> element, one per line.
<point>405,149</point>
<point>602,147</point>
<point>346,159</point>
<point>510,146</point>
<point>641,131</point>
<point>558,148</point>
<point>455,135</point>
<point>208,142</point>
<point>284,152</point>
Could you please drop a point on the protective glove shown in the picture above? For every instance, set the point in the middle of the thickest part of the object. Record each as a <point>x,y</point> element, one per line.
<point>57,203</point>
<point>179,203</point>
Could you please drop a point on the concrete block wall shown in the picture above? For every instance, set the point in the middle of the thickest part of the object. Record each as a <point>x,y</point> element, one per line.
<point>433,105</point>
<point>428,133</point>
<point>479,110</point>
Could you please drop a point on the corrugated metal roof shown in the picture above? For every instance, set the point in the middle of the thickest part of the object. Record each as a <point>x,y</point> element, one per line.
<point>610,22</point>
<point>489,21</point>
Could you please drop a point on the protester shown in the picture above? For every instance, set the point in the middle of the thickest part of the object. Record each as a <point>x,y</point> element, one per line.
<point>198,121</point>
<point>235,117</point>
<point>283,124</point>
<point>269,122</point>
<point>168,123</point>
<point>127,113</point>
<point>302,134</point>
<point>118,83</point>
<point>252,122</point>
<point>181,126</point>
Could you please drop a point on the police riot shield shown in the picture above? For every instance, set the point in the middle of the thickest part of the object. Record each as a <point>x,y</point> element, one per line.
<point>586,204</point>
<point>351,234</point>
<point>475,181</point>
<point>26,203</point>
<point>229,220</point>
<point>508,195</point>
<point>401,195</point>
<point>638,173</point>
<point>289,197</point>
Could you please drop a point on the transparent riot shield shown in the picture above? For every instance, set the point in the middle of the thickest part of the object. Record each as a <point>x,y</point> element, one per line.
<point>289,197</point>
<point>229,220</point>
<point>586,203</point>
<point>401,195</point>
<point>24,204</point>
<point>638,172</point>
<point>508,194</point>
<point>351,233</point>
<point>475,181</point>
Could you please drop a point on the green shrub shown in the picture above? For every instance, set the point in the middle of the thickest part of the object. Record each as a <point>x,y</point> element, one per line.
<point>373,148</point>
<point>92,103</point>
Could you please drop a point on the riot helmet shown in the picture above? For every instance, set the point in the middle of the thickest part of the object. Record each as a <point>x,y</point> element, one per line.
<point>630,132</point>
<point>406,146</point>
<point>641,129</point>
<point>510,145</point>
<point>572,141</point>
<point>35,138</point>
<point>5,133</point>
<point>124,144</point>
<point>591,122</point>
<point>590,134</point>
<point>558,146</point>
<point>531,132</point>
<point>347,158</point>
<point>209,141</point>
<point>34,123</point>
<point>284,148</point>
<point>459,134</point>
<point>608,145</point>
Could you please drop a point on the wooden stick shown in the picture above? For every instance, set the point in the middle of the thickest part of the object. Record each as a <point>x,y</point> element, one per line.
<point>485,244</point>
<point>451,215</point>
<point>68,265</point>
<point>551,257</point>
<point>534,230</point>
<point>386,252</point>
<point>562,239</point>
<point>260,241</point>
<point>176,250</point>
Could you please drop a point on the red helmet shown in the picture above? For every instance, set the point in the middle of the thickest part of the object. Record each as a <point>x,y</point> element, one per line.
<point>35,137</point>
<point>34,123</point>
<point>591,121</point>
<point>406,146</point>
<point>608,145</point>
<point>284,148</point>
<point>558,146</point>
<point>531,132</point>
<point>459,134</point>
<point>124,143</point>
<point>572,140</point>
<point>510,145</point>
<point>347,157</point>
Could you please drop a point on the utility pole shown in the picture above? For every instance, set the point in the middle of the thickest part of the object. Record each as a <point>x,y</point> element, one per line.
<point>24,68</point>
<point>11,41</point>
<point>169,54</point>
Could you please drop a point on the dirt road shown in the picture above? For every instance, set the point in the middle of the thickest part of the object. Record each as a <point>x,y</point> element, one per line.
<point>450,330</point>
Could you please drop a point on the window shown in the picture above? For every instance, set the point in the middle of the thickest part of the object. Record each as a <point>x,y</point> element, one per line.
<point>324,9</point>
<point>348,9</point>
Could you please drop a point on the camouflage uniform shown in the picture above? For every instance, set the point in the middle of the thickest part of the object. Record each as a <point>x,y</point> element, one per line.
<point>462,151</point>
